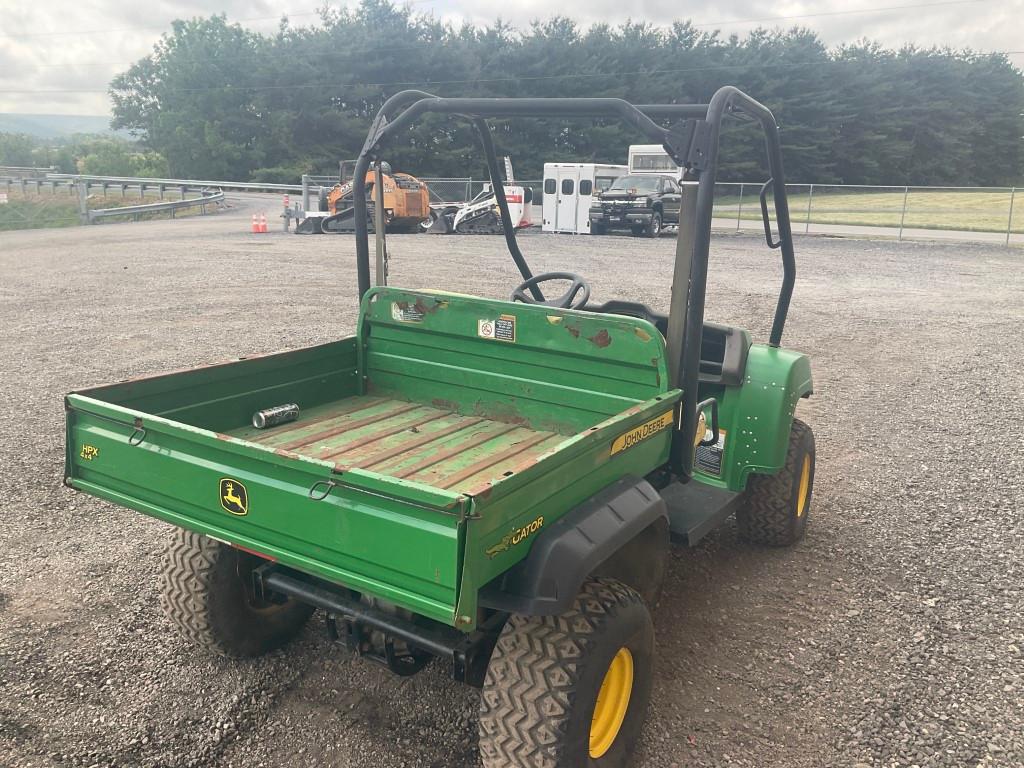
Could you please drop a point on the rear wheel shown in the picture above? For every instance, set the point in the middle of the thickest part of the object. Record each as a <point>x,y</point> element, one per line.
<point>570,691</point>
<point>776,506</point>
<point>207,593</point>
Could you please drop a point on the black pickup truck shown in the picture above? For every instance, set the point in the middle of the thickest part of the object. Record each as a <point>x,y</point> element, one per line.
<point>643,203</point>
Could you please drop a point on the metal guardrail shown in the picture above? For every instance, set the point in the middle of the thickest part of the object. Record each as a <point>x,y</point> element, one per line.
<point>71,178</point>
<point>169,205</point>
<point>26,171</point>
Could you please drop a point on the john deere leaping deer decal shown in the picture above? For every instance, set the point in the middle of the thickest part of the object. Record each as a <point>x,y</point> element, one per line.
<point>233,497</point>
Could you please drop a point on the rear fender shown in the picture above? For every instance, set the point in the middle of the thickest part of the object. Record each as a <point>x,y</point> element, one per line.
<point>584,541</point>
<point>762,411</point>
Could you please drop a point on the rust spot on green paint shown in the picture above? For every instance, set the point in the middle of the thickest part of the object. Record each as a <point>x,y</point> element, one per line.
<point>447,405</point>
<point>574,330</point>
<point>505,412</point>
<point>602,338</point>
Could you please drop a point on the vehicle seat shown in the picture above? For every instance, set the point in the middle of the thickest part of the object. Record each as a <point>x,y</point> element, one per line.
<point>723,349</point>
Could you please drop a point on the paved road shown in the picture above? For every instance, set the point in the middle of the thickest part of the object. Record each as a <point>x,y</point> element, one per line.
<point>892,636</point>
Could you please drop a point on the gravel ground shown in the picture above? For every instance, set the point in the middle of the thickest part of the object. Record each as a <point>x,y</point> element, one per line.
<point>892,636</point>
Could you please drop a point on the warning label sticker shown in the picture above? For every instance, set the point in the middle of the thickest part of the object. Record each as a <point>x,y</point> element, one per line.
<point>502,328</point>
<point>708,458</point>
<point>405,313</point>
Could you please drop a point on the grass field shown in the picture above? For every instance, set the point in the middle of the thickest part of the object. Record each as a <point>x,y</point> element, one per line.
<point>47,211</point>
<point>965,210</point>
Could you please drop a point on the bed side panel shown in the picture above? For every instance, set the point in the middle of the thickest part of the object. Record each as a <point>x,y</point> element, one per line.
<point>224,396</point>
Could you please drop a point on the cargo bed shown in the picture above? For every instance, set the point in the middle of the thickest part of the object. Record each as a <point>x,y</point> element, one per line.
<point>423,443</point>
<point>397,438</point>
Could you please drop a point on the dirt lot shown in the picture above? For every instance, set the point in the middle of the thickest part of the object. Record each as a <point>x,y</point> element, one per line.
<point>892,636</point>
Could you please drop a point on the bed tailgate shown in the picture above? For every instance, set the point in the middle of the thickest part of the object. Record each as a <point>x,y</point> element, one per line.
<point>399,540</point>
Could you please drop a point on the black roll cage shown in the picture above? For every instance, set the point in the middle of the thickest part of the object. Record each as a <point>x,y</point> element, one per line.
<point>691,140</point>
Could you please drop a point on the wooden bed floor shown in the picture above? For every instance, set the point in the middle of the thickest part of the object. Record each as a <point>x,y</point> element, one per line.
<point>407,440</point>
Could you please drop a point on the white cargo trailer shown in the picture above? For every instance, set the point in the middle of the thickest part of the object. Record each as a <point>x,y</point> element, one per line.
<point>567,191</point>
<point>651,158</point>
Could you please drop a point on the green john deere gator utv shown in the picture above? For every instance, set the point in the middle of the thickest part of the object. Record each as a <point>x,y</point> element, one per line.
<point>491,483</point>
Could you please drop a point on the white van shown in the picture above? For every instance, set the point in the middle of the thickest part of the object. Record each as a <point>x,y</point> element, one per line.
<point>651,158</point>
<point>567,191</point>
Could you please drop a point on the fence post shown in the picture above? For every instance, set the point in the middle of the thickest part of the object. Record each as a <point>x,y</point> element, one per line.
<point>83,202</point>
<point>810,198</point>
<point>739,208</point>
<point>1009,221</point>
<point>305,192</point>
<point>903,215</point>
<point>469,190</point>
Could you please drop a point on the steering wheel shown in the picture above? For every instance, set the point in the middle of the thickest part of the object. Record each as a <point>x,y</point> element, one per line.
<point>574,298</point>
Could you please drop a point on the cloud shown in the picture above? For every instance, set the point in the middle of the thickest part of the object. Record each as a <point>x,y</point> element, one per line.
<point>83,46</point>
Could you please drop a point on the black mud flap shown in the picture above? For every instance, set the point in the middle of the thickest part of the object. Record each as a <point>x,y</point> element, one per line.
<point>546,581</point>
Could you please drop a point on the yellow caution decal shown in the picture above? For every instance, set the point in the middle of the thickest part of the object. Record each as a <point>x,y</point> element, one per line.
<point>638,434</point>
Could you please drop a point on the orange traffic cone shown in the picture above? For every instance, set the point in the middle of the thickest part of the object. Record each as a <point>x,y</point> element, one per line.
<point>255,224</point>
<point>263,222</point>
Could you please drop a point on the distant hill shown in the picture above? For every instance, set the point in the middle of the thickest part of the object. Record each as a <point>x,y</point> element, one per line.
<point>55,126</point>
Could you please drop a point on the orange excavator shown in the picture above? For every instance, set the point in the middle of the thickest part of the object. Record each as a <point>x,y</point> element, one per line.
<point>406,204</point>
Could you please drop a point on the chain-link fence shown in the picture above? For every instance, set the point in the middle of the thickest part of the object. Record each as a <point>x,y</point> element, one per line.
<point>850,208</point>
<point>465,189</point>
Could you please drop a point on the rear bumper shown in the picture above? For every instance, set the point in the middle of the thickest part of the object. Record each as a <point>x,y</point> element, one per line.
<point>467,653</point>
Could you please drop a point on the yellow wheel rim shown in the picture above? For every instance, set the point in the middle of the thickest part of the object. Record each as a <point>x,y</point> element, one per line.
<point>612,703</point>
<point>805,486</point>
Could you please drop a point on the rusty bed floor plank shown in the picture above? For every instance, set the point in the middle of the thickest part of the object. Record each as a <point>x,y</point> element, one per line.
<point>407,440</point>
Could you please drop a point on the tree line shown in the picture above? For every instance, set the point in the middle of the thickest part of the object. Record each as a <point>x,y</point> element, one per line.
<point>88,154</point>
<point>219,101</point>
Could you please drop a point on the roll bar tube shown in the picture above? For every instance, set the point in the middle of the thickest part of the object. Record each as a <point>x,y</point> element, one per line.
<point>727,100</point>
<point>412,104</point>
<point>507,227</point>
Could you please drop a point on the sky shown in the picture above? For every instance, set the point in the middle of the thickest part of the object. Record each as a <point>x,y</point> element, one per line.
<point>58,57</point>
